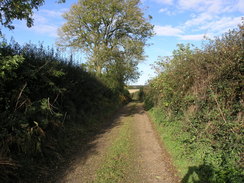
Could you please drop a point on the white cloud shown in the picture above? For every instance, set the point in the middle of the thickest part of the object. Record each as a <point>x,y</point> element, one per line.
<point>240,6</point>
<point>210,15</point>
<point>195,37</point>
<point>176,32</point>
<point>190,4</point>
<point>46,22</point>
<point>169,2</point>
<point>39,19</point>
<point>49,30</point>
<point>199,20</point>
<point>207,18</point>
<point>163,10</point>
<point>210,29</point>
<point>166,11</point>
<point>221,25</point>
<point>53,13</point>
<point>167,30</point>
<point>213,7</point>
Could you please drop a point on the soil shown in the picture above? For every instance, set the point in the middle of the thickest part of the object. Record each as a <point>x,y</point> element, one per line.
<point>153,163</point>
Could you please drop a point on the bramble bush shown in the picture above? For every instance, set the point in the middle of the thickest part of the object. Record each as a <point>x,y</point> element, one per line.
<point>42,95</point>
<point>203,90</point>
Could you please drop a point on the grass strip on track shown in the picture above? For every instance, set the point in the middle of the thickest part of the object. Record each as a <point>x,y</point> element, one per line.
<point>118,163</point>
<point>173,138</point>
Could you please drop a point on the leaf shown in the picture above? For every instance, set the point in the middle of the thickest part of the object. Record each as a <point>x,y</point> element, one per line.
<point>24,125</point>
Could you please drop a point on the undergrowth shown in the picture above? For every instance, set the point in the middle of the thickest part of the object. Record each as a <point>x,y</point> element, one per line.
<point>197,103</point>
<point>46,102</point>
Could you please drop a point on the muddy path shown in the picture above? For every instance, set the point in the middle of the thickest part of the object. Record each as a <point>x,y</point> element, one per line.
<point>152,163</point>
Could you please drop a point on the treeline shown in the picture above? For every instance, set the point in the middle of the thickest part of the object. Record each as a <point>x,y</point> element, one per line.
<point>46,102</point>
<point>197,97</point>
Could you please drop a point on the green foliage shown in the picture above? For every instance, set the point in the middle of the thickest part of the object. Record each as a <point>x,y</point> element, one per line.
<point>20,10</point>
<point>195,158</point>
<point>42,96</point>
<point>112,33</point>
<point>9,63</point>
<point>202,90</point>
<point>138,95</point>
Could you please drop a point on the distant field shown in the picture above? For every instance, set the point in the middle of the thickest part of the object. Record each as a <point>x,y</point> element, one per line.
<point>133,90</point>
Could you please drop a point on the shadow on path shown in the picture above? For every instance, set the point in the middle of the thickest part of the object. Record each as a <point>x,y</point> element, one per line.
<point>198,174</point>
<point>88,144</point>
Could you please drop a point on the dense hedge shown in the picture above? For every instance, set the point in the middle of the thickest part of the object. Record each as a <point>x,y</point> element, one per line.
<point>41,96</point>
<point>203,90</point>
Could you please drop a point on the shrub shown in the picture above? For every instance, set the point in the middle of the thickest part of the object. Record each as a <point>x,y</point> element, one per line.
<point>202,88</point>
<point>41,94</point>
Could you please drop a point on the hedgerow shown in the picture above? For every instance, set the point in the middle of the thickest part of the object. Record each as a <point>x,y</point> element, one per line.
<point>202,89</point>
<point>43,95</point>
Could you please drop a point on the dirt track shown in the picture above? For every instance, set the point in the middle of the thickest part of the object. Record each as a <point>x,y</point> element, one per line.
<point>153,163</point>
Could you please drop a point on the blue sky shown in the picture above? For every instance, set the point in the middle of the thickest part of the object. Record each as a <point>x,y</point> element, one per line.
<point>175,21</point>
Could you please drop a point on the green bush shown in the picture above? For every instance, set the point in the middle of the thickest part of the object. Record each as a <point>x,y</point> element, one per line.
<point>202,89</point>
<point>41,96</point>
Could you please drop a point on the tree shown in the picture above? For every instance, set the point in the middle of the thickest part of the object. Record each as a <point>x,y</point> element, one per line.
<point>112,33</point>
<point>19,9</point>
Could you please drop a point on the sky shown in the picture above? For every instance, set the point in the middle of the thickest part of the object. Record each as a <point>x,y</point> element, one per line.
<point>175,22</point>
